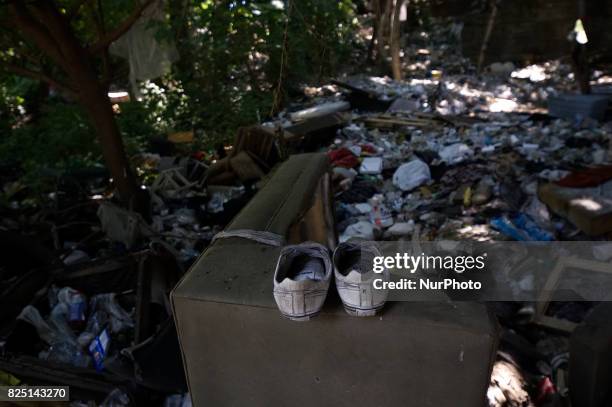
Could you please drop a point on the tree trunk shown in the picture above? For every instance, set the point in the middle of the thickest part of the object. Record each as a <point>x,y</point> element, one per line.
<point>93,98</point>
<point>487,36</point>
<point>382,30</point>
<point>396,62</point>
<point>376,7</point>
<point>580,56</point>
<point>53,34</point>
<point>96,104</point>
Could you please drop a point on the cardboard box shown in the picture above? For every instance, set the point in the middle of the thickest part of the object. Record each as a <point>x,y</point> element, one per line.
<point>239,351</point>
<point>589,209</point>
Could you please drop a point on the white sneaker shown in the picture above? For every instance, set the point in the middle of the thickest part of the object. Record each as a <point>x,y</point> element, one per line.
<point>301,280</point>
<point>353,262</point>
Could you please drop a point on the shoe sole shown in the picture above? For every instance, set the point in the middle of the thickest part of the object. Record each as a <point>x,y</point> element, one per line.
<point>362,312</point>
<point>298,318</point>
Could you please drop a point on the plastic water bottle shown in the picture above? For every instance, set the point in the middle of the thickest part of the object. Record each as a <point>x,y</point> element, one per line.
<point>77,305</point>
<point>380,215</point>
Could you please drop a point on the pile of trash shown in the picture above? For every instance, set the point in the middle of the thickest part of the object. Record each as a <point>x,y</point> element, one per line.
<point>80,234</point>
<point>192,201</point>
<point>450,153</point>
<point>468,157</point>
<point>451,181</point>
<point>79,332</point>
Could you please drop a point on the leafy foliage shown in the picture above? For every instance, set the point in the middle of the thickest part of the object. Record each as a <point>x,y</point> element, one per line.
<point>239,62</point>
<point>235,53</point>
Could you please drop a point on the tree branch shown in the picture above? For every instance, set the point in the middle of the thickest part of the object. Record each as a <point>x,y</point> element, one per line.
<point>121,29</point>
<point>23,21</point>
<point>19,70</point>
<point>98,18</point>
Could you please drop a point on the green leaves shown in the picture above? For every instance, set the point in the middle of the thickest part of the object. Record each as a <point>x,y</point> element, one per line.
<point>231,53</point>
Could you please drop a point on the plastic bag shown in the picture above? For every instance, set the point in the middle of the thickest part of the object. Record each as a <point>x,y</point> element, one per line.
<point>65,352</point>
<point>455,153</point>
<point>76,305</point>
<point>31,315</point>
<point>63,346</point>
<point>120,224</point>
<point>148,57</point>
<point>96,322</point>
<point>411,175</point>
<point>119,319</point>
<point>362,229</point>
<point>178,400</point>
<point>58,321</point>
<point>116,398</point>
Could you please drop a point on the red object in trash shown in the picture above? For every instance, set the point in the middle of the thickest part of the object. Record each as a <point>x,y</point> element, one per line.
<point>368,149</point>
<point>590,177</point>
<point>546,389</point>
<point>199,155</point>
<point>343,157</point>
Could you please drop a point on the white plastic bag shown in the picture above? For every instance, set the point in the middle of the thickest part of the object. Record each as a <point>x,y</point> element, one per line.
<point>455,153</point>
<point>362,229</point>
<point>411,175</point>
<point>148,57</point>
<point>119,318</point>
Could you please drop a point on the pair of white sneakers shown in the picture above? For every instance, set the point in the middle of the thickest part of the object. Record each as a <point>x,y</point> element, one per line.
<point>303,275</point>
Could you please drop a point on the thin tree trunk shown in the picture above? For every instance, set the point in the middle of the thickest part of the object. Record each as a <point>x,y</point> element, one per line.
<point>96,104</point>
<point>487,36</point>
<point>580,56</point>
<point>370,54</point>
<point>376,8</point>
<point>93,98</point>
<point>396,62</point>
<point>386,5</point>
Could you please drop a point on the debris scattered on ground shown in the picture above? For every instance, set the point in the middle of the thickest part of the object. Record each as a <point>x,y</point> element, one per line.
<point>446,154</point>
<point>460,156</point>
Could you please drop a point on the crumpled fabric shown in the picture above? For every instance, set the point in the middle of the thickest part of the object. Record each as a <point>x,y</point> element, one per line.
<point>343,157</point>
<point>148,57</point>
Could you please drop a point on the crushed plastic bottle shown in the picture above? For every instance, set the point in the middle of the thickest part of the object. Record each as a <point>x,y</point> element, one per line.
<point>178,400</point>
<point>67,353</point>
<point>215,204</point>
<point>99,348</point>
<point>58,321</point>
<point>119,319</point>
<point>116,398</point>
<point>76,304</point>
<point>521,227</point>
<point>96,322</point>
<point>380,214</point>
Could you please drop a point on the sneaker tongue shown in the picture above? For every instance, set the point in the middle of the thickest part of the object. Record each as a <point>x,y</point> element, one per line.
<point>356,275</point>
<point>356,269</point>
<point>311,269</point>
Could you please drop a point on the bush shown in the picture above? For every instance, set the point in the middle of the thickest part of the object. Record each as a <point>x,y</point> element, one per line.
<point>233,54</point>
